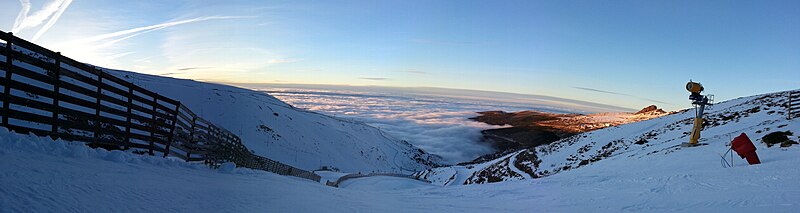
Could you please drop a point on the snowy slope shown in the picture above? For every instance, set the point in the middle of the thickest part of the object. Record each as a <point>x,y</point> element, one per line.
<point>655,139</point>
<point>274,129</point>
<point>41,175</point>
<point>297,137</point>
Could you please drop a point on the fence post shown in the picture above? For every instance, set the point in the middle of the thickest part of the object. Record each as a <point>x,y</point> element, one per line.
<point>171,136</point>
<point>191,137</point>
<point>129,116</point>
<point>97,124</point>
<point>155,126</point>
<point>9,67</point>
<point>789,106</point>
<point>56,89</point>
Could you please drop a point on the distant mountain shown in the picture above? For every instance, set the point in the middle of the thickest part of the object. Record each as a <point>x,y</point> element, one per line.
<point>532,128</point>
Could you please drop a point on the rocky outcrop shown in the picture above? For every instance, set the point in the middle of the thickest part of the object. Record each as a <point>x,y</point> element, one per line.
<point>532,128</point>
<point>650,110</point>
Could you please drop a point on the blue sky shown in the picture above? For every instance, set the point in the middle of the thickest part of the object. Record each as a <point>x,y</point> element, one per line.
<point>625,53</point>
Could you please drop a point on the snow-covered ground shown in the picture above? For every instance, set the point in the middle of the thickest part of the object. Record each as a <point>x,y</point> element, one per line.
<point>651,141</point>
<point>301,138</point>
<point>41,175</point>
<point>633,167</point>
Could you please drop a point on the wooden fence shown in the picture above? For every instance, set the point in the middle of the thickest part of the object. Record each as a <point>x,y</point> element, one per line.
<point>793,105</point>
<point>48,94</point>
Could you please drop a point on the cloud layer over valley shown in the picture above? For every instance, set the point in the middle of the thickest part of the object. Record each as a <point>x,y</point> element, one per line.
<point>437,124</point>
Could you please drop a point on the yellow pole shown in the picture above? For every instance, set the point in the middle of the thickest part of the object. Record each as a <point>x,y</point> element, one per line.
<point>698,125</point>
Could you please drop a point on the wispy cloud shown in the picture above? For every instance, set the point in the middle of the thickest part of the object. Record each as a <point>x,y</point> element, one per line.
<point>412,71</point>
<point>620,94</point>
<point>375,79</point>
<point>114,37</point>
<point>120,55</point>
<point>52,21</point>
<point>38,17</point>
<point>100,49</point>
<point>50,13</point>
<point>280,61</point>
<point>192,68</point>
<point>171,73</point>
<point>601,91</point>
<point>22,15</point>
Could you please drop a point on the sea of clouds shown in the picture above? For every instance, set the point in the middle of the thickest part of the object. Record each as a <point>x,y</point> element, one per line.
<point>436,124</point>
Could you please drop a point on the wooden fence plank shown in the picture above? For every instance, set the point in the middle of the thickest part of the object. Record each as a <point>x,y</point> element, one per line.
<point>32,74</point>
<point>31,117</point>
<point>13,99</point>
<point>28,88</point>
<point>37,62</point>
<point>28,45</point>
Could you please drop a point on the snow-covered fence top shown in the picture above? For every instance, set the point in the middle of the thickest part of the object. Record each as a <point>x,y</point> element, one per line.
<point>45,93</point>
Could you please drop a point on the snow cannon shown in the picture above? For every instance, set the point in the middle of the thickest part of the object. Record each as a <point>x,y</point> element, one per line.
<point>745,148</point>
<point>695,88</point>
<point>699,102</point>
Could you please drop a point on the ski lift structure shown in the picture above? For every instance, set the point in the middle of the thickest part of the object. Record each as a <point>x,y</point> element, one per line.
<point>700,103</point>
